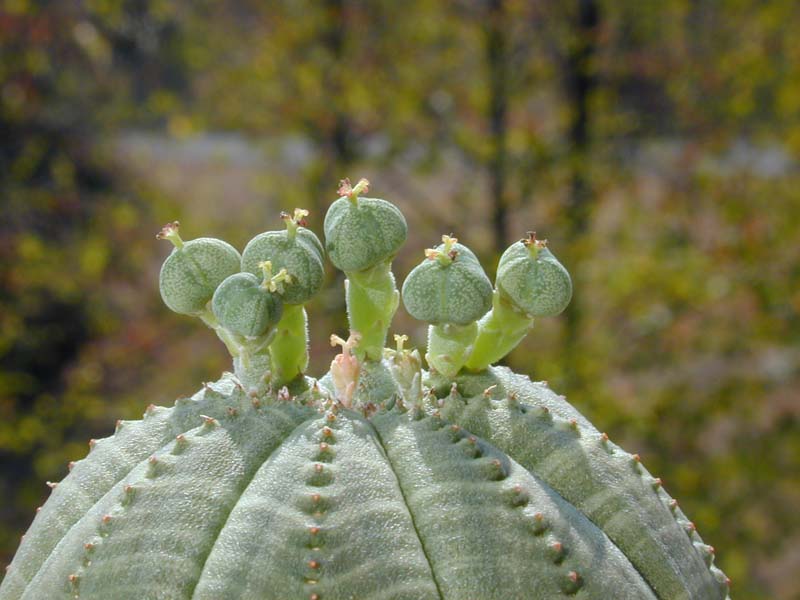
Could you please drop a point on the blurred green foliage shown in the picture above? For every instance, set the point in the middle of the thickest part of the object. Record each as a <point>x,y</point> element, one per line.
<point>654,143</point>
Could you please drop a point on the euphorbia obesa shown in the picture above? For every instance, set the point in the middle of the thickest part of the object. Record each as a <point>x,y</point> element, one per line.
<point>380,479</point>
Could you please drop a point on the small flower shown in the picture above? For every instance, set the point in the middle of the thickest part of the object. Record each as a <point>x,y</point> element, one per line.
<point>345,368</point>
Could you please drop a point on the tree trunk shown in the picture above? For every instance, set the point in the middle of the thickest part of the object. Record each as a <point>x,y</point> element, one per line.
<point>580,83</point>
<point>497,64</point>
<point>338,143</point>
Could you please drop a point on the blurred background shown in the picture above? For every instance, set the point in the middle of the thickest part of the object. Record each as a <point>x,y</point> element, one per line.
<point>655,144</point>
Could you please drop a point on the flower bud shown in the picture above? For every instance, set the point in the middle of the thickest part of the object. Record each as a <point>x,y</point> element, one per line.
<point>193,270</point>
<point>244,306</point>
<point>297,249</point>
<point>449,286</point>
<point>362,232</point>
<point>532,279</point>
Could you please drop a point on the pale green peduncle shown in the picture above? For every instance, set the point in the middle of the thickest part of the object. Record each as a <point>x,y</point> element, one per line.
<point>449,346</point>
<point>499,332</point>
<point>289,348</point>
<point>372,299</point>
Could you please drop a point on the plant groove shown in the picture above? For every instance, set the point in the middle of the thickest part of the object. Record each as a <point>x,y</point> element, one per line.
<point>380,441</point>
<point>242,487</point>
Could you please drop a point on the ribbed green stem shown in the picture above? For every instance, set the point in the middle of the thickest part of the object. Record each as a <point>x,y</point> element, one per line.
<point>372,300</point>
<point>289,349</point>
<point>449,346</point>
<point>499,332</point>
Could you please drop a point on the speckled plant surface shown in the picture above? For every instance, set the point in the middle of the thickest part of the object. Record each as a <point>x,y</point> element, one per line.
<point>382,478</point>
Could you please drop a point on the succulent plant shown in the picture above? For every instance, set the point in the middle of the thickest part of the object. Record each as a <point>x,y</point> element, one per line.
<point>378,480</point>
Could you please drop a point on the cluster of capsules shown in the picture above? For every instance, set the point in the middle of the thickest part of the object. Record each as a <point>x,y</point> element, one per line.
<point>255,301</point>
<point>472,323</point>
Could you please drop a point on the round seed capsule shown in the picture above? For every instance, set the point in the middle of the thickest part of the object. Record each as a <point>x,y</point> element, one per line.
<point>362,232</point>
<point>193,270</point>
<point>532,279</point>
<point>449,286</point>
<point>244,306</point>
<point>298,251</point>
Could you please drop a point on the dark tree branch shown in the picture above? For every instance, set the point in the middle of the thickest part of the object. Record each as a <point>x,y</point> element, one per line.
<point>497,63</point>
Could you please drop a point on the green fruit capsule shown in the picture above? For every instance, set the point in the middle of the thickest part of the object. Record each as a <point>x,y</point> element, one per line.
<point>245,306</point>
<point>532,279</point>
<point>297,250</point>
<point>193,271</point>
<point>450,286</point>
<point>362,232</point>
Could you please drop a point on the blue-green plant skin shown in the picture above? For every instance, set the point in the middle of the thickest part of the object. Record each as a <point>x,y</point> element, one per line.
<point>310,238</point>
<point>458,292</point>
<point>533,280</point>
<point>500,489</point>
<point>109,461</point>
<point>379,481</point>
<point>361,233</point>
<point>191,273</point>
<point>549,437</point>
<point>244,307</point>
<point>300,254</point>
